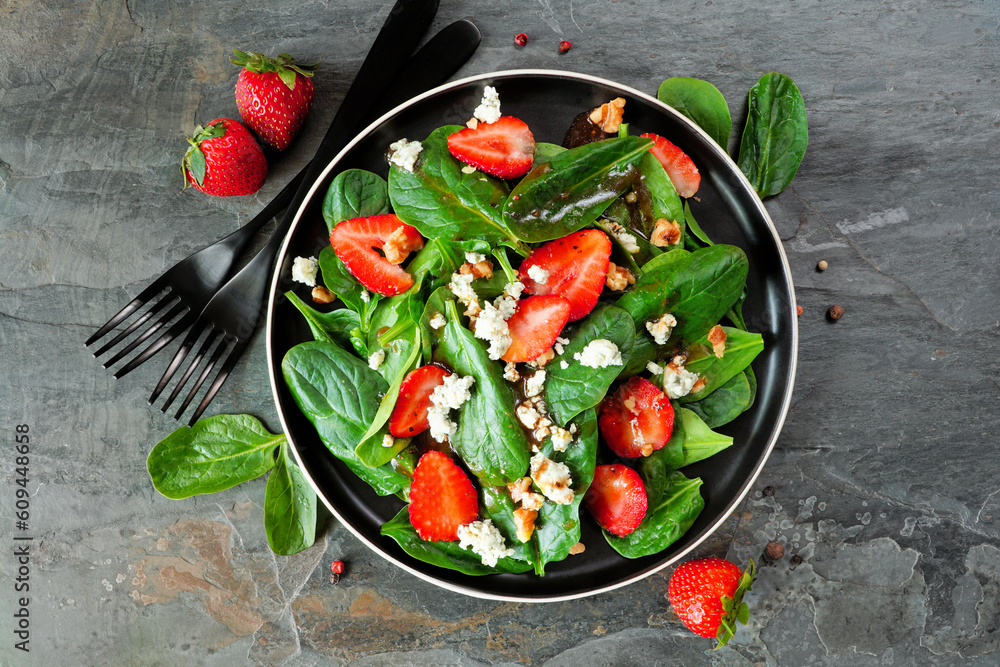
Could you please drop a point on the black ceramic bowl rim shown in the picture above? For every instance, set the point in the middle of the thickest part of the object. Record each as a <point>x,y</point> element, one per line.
<point>784,295</point>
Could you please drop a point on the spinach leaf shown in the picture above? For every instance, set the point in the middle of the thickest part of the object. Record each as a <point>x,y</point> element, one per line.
<point>499,507</point>
<point>355,193</point>
<point>289,507</point>
<point>697,238</point>
<point>674,503</point>
<point>372,450</point>
<point>338,279</point>
<point>664,200</point>
<point>701,102</point>
<point>215,454</point>
<point>440,258</point>
<point>700,441</point>
<point>697,288</point>
<point>340,396</point>
<point>742,348</point>
<point>442,201</point>
<point>489,437</point>
<point>573,188</point>
<point>571,390</point>
<point>775,136</point>
<point>444,554</point>
<point>334,326</point>
<point>725,403</point>
<point>557,527</point>
<point>544,152</point>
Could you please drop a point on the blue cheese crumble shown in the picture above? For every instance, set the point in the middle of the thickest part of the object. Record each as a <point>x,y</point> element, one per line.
<point>304,270</point>
<point>485,540</point>
<point>404,154</point>
<point>600,353</point>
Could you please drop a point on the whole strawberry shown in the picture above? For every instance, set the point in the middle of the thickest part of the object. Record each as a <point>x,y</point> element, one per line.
<point>274,95</point>
<point>707,595</point>
<point>224,159</point>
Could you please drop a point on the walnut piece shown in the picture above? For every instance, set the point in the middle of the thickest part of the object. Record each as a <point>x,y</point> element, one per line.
<point>398,246</point>
<point>544,358</point>
<point>618,277</point>
<point>577,549</point>
<point>717,337</point>
<point>482,269</point>
<point>524,523</point>
<point>665,233</point>
<point>609,116</point>
<point>321,294</point>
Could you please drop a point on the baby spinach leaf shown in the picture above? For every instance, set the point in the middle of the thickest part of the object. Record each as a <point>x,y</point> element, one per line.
<point>664,200</point>
<point>489,437</point>
<point>371,450</point>
<point>742,347</point>
<point>544,152</point>
<point>499,507</point>
<point>441,258</point>
<point>697,238</point>
<point>700,441</point>
<point>573,188</point>
<point>775,136</point>
<point>724,404</point>
<point>571,390</point>
<point>697,288</point>
<point>340,396</point>
<point>355,193</point>
<point>557,527</point>
<point>444,554</point>
<point>289,507</point>
<point>442,201</point>
<point>334,326</point>
<point>215,454</point>
<point>673,508</point>
<point>701,102</point>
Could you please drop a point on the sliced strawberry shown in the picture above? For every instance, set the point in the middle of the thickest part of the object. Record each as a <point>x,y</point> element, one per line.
<point>637,419</point>
<point>504,149</point>
<point>616,498</point>
<point>409,416</point>
<point>535,325</point>
<point>442,498</point>
<point>577,266</point>
<point>680,168</point>
<point>355,242</point>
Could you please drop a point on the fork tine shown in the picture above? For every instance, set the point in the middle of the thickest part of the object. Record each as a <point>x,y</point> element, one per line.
<point>234,355</point>
<point>173,332</point>
<point>223,345</point>
<point>167,299</point>
<point>189,340</point>
<point>178,309</point>
<point>132,306</point>
<point>205,347</point>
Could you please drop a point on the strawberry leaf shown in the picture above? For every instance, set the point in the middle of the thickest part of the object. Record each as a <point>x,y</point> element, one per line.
<point>287,77</point>
<point>196,164</point>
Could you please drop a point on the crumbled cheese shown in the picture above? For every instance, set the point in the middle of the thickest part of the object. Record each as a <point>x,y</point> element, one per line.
<point>527,415</point>
<point>564,364</point>
<point>661,329</point>
<point>510,373</point>
<point>625,238</point>
<point>461,287</point>
<point>304,270</point>
<point>491,326</point>
<point>538,274</point>
<point>558,347</point>
<point>488,110</point>
<point>475,257</point>
<point>514,289</point>
<point>468,169</point>
<point>552,478</point>
<point>366,296</point>
<point>520,492</point>
<point>677,381</point>
<point>485,540</point>
<point>388,440</point>
<point>600,353</point>
<point>438,321</point>
<point>533,385</point>
<point>449,395</point>
<point>376,359</point>
<point>561,438</point>
<point>654,368</point>
<point>404,154</point>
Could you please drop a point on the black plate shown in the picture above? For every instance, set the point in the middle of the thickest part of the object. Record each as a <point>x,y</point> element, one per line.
<point>728,210</point>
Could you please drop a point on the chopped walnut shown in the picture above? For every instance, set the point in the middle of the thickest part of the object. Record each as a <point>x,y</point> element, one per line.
<point>473,123</point>
<point>545,357</point>
<point>398,246</point>
<point>524,523</point>
<point>717,337</point>
<point>520,492</point>
<point>618,277</point>
<point>699,385</point>
<point>482,269</point>
<point>609,116</point>
<point>321,294</point>
<point>665,233</point>
<point>577,549</point>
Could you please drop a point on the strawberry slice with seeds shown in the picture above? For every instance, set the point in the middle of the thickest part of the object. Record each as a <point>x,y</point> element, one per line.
<point>637,419</point>
<point>409,416</point>
<point>504,149</point>
<point>680,168</point>
<point>357,242</point>
<point>536,323</point>
<point>442,498</point>
<point>616,498</point>
<point>577,266</point>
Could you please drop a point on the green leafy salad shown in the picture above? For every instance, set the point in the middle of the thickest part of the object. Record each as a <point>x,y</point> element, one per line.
<point>523,336</point>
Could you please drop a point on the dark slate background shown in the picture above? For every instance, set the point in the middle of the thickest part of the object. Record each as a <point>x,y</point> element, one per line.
<point>885,475</point>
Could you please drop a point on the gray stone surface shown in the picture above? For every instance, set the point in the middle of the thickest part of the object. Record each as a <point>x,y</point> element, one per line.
<point>886,471</point>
